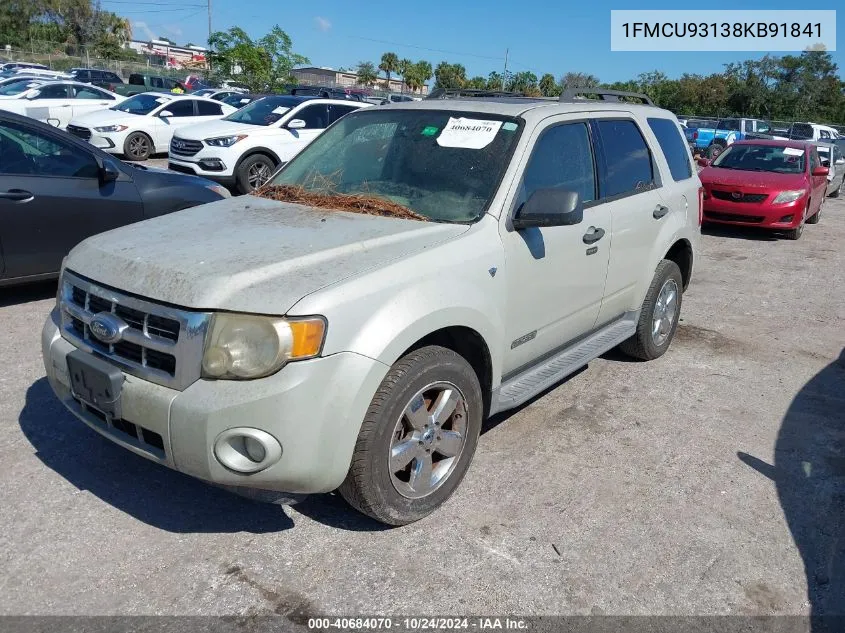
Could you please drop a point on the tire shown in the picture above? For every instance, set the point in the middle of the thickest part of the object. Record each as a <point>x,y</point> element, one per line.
<point>836,193</point>
<point>714,150</point>
<point>423,376</point>
<point>817,215</point>
<point>137,147</point>
<point>644,345</point>
<point>253,172</point>
<point>798,231</point>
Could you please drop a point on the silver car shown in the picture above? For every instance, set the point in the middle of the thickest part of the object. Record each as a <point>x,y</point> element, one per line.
<point>837,165</point>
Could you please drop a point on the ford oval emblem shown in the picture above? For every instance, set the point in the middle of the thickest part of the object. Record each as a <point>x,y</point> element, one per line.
<point>107,327</point>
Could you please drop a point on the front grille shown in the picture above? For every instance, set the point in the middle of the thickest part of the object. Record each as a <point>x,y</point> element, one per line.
<point>159,343</point>
<point>136,432</point>
<point>82,132</point>
<point>181,169</point>
<point>744,197</point>
<point>184,147</point>
<point>733,217</point>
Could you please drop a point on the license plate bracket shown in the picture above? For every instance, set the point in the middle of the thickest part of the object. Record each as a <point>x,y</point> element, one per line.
<point>95,382</point>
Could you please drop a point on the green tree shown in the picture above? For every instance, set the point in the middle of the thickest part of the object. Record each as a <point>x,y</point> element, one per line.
<point>449,76</point>
<point>524,82</point>
<point>389,65</point>
<point>476,83</point>
<point>548,86</point>
<point>367,74</point>
<point>262,65</point>
<point>578,80</point>
<point>417,74</point>
<point>405,66</point>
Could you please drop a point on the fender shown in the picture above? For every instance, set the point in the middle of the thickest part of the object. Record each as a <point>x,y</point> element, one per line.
<point>670,234</point>
<point>258,150</point>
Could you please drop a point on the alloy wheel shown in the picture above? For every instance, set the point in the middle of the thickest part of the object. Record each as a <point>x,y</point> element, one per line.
<point>665,312</point>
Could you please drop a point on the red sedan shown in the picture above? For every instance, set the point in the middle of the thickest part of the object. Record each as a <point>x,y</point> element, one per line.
<point>776,185</point>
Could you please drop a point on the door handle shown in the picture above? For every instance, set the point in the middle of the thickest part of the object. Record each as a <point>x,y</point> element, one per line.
<point>659,211</point>
<point>67,105</point>
<point>593,235</point>
<point>17,195</point>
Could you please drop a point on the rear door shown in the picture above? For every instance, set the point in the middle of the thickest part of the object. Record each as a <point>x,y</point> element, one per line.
<point>52,105</point>
<point>336,111</point>
<point>51,199</point>
<point>90,99</point>
<point>208,110</point>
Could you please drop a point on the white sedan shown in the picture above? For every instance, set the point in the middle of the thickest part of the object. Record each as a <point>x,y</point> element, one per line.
<point>57,102</point>
<point>144,124</point>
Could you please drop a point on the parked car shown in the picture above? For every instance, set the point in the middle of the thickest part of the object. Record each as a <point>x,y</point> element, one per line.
<point>245,148</point>
<point>143,125</point>
<point>102,78</point>
<point>13,86</point>
<point>56,190</point>
<point>235,86</point>
<point>771,184</point>
<point>812,132</point>
<point>394,98</point>
<point>326,93</point>
<point>242,99</point>
<point>831,157</point>
<point>139,83</point>
<point>222,95</point>
<point>22,65</point>
<point>712,141</point>
<point>57,102</point>
<point>420,268</point>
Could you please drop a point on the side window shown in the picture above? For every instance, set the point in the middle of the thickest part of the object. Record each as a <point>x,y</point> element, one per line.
<point>814,159</point>
<point>54,91</point>
<point>156,82</point>
<point>628,160</point>
<point>316,116</point>
<point>89,93</point>
<point>337,111</point>
<point>27,151</point>
<point>763,127</point>
<point>137,80</point>
<point>181,107</point>
<point>111,77</point>
<point>209,109</point>
<point>824,134</point>
<point>729,124</point>
<point>562,158</point>
<point>673,146</point>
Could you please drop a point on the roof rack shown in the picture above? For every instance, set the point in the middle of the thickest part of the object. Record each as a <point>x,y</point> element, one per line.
<point>573,94</point>
<point>456,93</point>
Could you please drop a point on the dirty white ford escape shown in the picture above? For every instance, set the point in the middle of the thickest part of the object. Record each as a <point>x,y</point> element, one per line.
<point>418,267</point>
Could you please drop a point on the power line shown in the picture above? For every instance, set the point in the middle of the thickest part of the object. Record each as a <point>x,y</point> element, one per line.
<point>156,4</point>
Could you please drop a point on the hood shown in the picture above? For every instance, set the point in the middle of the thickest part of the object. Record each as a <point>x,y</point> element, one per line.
<point>248,254</point>
<point>100,118</point>
<point>210,129</point>
<point>747,180</point>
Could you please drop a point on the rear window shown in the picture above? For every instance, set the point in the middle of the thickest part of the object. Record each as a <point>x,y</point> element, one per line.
<point>674,147</point>
<point>136,80</point>
<point>627,157</point>
<point>206,108</point>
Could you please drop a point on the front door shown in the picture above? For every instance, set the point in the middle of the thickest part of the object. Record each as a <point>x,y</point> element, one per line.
<point>51,199</point>
<point>51,105</point>
<point>556,275</point>
<point>316,118</point>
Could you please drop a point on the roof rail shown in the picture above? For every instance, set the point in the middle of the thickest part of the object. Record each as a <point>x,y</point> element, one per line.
<point>572,94</point>
<point>456,93</point>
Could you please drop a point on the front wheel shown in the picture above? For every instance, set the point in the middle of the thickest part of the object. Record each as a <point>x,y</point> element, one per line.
<point>817,215</point>
<point>254,172</point>
<point>418,437</point>
<point>659,315</point>
<point>798,231</point>
<point>138,146</point>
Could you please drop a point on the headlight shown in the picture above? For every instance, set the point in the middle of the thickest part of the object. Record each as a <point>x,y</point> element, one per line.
<point>788,196</point>
<point>224,141</point>
<point>220,190</point>
<point>111,128</point>
<point>243,346</point>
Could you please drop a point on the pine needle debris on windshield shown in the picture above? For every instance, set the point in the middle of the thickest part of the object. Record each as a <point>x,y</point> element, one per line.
<point>355,203</point>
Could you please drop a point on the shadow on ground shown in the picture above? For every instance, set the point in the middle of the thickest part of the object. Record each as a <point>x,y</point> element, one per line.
<point>39,291</point>
<point>741,233</point>
<point>149,492</point>
<point>809,473</point>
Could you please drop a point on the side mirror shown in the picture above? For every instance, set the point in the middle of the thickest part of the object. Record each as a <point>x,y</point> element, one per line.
<point>821,171</point>
<point>108,172</point>
<point>550,207</point>
<point>33,95</point>
<point>295,124</point>
<point>165,114</point>
<point>704,162</point>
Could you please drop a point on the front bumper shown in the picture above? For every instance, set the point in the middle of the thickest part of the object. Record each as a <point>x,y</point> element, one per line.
<point>214,163</point>
<point>764,215</point>
<point>313,408</point>
<point>111,142</point>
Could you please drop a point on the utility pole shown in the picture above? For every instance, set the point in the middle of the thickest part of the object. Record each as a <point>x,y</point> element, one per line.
<point>504,74</point>
<point>207,51</point>
<point>209,19</point>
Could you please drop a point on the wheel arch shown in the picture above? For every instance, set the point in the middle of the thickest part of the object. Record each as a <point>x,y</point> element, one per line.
<point>681,253</point>
<point>257,150</point>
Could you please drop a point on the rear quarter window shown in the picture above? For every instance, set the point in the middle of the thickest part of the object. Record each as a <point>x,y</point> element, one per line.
<point>673,146</point>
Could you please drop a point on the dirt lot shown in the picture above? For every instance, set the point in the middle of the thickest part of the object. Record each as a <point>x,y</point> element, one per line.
<point>709,481</point>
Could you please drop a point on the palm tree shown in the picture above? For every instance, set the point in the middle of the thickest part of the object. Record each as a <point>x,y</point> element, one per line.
<point>366,73</point>
<point>403,67</point>
<point>389,65</point>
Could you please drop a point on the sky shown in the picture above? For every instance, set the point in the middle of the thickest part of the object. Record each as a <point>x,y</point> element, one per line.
<point>540,35</point>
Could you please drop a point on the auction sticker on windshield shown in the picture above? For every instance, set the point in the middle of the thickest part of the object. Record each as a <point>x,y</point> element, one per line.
<point>468,133</point>
<point>793,151</point>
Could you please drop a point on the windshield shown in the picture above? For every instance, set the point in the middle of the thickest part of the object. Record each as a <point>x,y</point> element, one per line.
<point>773,158</point>
<point>17,87</point>
<point>266,111</point>
<point>442,165</point>
<point>140,104</point>
<point>238,100</point>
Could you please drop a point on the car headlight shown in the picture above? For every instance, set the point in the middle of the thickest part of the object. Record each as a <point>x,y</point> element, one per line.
<point>244,346</point>
<point>220,190</point>
<point>788,196</point>
<point>224,141</point>
<point>111,128</point>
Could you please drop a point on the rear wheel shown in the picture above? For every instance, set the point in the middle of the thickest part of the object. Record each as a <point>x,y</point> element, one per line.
<point>418,437</point>
<point>254,172</point>
<point>659,315</point>
<point>138,146</point>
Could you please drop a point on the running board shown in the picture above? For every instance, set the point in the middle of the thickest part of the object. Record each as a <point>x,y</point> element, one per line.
<point>527,384</point>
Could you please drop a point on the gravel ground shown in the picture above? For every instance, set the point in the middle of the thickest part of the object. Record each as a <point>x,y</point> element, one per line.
<point>710,481</point>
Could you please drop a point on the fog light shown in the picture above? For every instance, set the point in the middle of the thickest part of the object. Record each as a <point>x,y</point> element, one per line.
<point>246,450</point>
<point>786,218</point>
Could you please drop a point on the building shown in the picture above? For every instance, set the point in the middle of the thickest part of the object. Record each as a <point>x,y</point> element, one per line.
<point>325,76</point>
<point>171,55</point>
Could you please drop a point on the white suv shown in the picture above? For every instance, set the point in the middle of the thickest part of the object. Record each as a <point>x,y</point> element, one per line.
<point>244,149</point>
<point>415,269</point>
